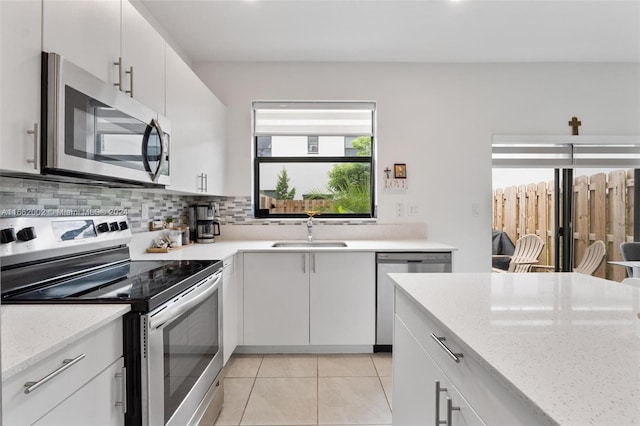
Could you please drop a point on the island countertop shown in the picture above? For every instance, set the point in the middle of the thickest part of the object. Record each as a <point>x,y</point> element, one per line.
<point>565,341</point>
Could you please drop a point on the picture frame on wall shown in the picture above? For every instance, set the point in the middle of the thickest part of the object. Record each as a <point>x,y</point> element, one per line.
<point>400,171</point>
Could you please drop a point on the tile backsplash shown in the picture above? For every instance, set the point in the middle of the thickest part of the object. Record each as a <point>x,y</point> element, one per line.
<point>34,197</point>
<point>30,197</point>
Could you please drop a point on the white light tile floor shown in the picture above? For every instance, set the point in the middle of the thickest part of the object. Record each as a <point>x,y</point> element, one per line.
<point>301,390</point>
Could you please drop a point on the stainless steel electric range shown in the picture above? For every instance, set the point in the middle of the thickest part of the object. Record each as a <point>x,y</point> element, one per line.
<point>173,334</point>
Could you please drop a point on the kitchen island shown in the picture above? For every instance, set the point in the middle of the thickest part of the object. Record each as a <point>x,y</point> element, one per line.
<point>545,348</point>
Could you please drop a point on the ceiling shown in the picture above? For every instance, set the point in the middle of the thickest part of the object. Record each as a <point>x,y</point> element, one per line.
<point>402,30</point>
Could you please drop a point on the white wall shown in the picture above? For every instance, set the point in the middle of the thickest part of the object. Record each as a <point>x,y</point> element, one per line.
<point>438,119</point>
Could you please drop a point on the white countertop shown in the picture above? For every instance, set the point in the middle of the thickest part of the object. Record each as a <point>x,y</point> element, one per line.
<point>224,249</point>
<point>566,341</point>
<point>30,333</point>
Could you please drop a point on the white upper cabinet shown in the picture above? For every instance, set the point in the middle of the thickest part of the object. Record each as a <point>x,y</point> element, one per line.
<point>20,47</point>
<point>142,51</point>
<point>95,34</point>
<point>198,130</point>
<point>86,33</point>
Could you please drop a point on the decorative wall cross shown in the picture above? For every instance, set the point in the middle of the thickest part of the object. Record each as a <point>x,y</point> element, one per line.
<point>387,171</point>
<point>575,123</point>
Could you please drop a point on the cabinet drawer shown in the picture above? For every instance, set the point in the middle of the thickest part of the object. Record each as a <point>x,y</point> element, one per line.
<point>101,348</point>
<point>492,400</point>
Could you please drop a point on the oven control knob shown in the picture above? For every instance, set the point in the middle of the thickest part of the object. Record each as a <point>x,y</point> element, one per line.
<point>26,234</point>
<point>103,227</point>
<point>123,225</point>
<point>7,235</point>
<point>113,226</point>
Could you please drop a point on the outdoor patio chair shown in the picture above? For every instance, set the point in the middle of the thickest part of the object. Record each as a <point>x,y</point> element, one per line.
<point>630,251</point>
<point>525,254</point>
<point>592,258</point>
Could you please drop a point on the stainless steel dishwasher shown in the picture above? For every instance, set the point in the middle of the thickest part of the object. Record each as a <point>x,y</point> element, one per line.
<point>387,263</point>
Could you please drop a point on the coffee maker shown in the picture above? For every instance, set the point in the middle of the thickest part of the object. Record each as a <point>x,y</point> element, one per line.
<point>204,227</point>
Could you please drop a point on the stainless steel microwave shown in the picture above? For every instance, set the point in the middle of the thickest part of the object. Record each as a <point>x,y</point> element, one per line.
<point>94,131</point>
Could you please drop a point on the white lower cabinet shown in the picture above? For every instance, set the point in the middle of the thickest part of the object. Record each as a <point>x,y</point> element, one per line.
<point>419,360</point>
<point>302,298</point>
<point>276,299</point>
<point>422,394</point>
<point>342,298</point>
<point>90,390</point>
<point>86,406</point>
<point>229,311</point>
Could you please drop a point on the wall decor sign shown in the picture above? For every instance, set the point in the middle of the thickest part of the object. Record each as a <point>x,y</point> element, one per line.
<point>400,171</point>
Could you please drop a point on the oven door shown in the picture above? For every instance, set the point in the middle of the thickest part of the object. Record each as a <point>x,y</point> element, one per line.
<point>184,353</point>
<point>93,129</point>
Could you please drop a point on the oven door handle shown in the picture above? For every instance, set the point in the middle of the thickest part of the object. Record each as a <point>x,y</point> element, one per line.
<point>188,301</point>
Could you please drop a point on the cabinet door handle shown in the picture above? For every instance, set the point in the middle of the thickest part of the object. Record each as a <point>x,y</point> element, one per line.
<point>438,390</point>
<point>450,409</point>
<point>454,356</point>
<point>204,182</point>
<point>130,91</point>
<point>304,263</point>
<point>123,403</point>
<point>313,263</point>
<point>118,64</point>
<point>36,147</point>
<point>66,363</point>
<point>201,179</point>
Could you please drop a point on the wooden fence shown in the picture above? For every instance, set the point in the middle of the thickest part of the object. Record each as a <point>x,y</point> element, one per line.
<point>603,210</point>
<point>293,206</point>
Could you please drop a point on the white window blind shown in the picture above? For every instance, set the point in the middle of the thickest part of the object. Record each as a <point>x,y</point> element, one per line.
<point>313,118</point>
<point>512,151</point>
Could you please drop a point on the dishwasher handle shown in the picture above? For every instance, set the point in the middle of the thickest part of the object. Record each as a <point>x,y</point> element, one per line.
<point>424,257</point>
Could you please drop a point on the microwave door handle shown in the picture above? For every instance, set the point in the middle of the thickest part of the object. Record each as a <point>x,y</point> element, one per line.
<point>163,153</point>
<point>166,317</point>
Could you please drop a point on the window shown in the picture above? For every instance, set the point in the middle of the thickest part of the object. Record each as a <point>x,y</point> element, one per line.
<point>313,156</point>
<point>348,146</point>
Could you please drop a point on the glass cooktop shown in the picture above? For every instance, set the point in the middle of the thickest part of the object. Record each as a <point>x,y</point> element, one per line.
<point>145,284</point>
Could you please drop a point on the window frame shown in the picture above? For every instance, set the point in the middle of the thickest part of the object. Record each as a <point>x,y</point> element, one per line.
<point>314,158</point>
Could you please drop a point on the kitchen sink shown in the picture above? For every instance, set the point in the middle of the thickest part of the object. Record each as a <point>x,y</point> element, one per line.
<point>309,244</point>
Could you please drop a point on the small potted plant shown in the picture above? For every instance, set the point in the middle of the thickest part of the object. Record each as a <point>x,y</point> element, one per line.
<point>169,222</point>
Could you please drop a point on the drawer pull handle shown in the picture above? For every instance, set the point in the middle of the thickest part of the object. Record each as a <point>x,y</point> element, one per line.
<point>441,340</point>
<point>450,409</point>
<point>438,390</point>
<point>66,363</point>
<point>123,403</point>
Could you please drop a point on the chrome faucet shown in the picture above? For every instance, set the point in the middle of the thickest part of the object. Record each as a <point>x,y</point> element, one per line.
<point>311,214</point>
<point>310,229</point>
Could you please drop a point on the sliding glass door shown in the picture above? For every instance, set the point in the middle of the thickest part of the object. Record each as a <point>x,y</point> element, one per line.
<point>570,195</point>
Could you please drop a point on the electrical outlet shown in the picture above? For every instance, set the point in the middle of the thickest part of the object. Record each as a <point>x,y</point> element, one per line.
<point>414,210</point>
<point>144,211</point>
<point>399,209</point>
